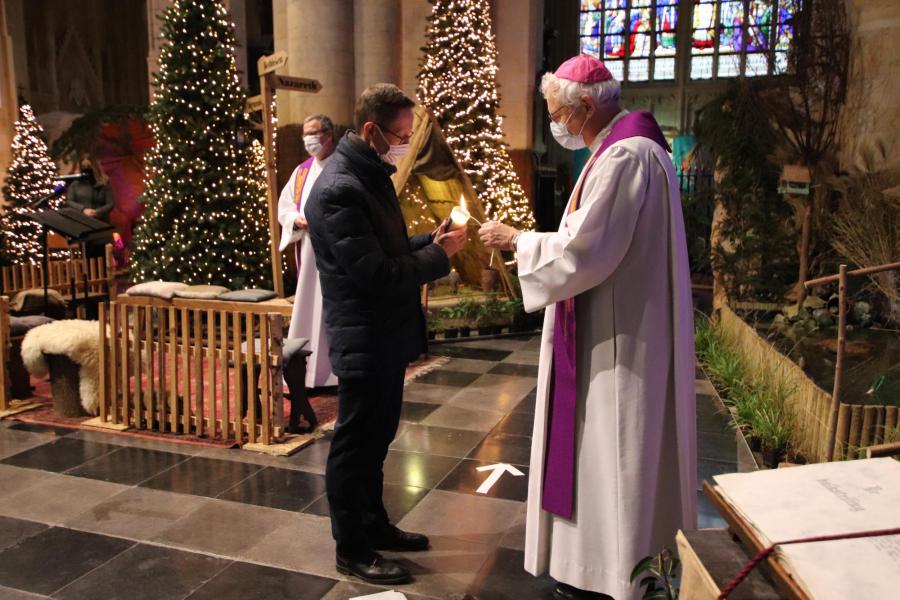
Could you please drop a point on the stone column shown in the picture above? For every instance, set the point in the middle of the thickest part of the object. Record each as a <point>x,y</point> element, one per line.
<point>518,27</point>
<point>155,10</point>
<point>319,43</point>
<point>8,103</point>
<point>413,24</point>
<point>376,42</point>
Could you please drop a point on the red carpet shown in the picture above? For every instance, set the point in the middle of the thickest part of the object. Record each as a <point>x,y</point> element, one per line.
<point>323,401</point>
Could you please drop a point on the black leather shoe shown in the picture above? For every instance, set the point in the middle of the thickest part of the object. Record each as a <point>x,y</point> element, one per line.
<point>567,592</point>
<point>374,568</point>
<point>397,540</point>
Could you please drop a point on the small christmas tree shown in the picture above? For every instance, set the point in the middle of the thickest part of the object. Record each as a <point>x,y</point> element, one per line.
<point>29,178</point>
<point>458,83</point>
<point>205,220</point>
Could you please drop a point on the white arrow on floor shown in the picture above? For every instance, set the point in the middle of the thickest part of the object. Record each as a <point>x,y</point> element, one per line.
<point>497,472</point>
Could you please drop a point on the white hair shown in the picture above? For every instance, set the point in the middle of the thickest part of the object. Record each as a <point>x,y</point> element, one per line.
<point>568,93</point>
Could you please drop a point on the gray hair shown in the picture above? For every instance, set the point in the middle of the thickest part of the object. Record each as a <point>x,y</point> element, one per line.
<point>325,123</point>
<point>569,92</point>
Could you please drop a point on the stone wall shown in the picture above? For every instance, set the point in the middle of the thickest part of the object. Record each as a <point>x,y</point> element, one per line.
<point>871,117</point>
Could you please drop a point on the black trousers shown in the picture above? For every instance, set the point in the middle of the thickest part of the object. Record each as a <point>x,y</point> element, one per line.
<point>368,416</point>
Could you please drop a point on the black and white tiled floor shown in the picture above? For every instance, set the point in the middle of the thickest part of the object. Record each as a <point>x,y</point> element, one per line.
<point>90,515</point>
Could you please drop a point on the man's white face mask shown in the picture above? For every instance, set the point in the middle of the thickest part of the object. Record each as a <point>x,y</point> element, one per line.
<point>313,144</point>
<point>395,152</point>
<point>560,131</point>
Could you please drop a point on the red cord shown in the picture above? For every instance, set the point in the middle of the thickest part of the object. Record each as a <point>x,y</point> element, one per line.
<point>765,552</point>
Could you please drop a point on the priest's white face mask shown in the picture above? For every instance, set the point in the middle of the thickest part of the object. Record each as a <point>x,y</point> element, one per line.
<point>561,133</point>
<point>313,144</point>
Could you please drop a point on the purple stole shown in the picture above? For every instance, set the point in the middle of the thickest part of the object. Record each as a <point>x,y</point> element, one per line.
<point>559,464</point>
<point>299,182</point>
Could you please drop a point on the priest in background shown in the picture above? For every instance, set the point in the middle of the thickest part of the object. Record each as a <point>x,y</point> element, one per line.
<point>307,320</point>
<point>613,462</point>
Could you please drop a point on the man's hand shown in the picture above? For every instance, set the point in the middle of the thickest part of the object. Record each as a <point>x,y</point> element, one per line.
<point>440,228</point>
<point>497,235</point>
<point>301,223</point>
<point>453,241</point>
<point>90,212</point>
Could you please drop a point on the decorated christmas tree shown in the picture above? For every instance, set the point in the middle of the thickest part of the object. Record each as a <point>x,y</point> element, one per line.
<point>458,83</point>
<point>29,178</point>
<point>205,217</point>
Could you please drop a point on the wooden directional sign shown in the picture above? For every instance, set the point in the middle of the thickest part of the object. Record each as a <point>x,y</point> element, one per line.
<point>268,64</point>
<point>254,103</point>
<point>297,84</point>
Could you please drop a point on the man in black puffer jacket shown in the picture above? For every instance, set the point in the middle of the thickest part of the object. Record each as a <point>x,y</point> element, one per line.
<point>371,274</point>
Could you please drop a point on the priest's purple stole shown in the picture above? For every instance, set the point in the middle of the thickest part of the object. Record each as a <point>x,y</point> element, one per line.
<point>559,464</point>
<point>299,183</point>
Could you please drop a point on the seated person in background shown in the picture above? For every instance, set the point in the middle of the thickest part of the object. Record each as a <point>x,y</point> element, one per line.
<point>92,196</point>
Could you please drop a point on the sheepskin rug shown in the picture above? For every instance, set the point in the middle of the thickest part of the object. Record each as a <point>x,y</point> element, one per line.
<point>80,341</point>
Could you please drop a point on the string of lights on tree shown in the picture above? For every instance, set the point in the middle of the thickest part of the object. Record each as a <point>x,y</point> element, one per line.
<point>458,83</point>
<point>205,220</point>
<point>28,178</point>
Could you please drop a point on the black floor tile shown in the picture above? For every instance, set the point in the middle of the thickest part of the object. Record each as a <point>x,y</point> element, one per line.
<point>314,455</point>
<point>516,423</point>
<point>12,531</point>
<point>416,469</point>
<point>449,378</point>
<point>45,562</point>
<point>255,582</point>
<point>128,466</point>
<point>709,419</point>
<point>202,476</point>
<point>398,500</point>
<point>463,352</point>
<point>707,469</point>
<point>60,455</point>
<point>37,428</point>
<point>466,478</point>
<point>414,412</point>
<point>526,405</point>
<point>503,577</point>
<point>441,441</point>
<point>717,446</point>
<point>503,447</point>
<point>278,488</point>
<point>514,369</point>
<point>151,572</point>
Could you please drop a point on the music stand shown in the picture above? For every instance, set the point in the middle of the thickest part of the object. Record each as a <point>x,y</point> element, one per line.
<point>75,226</point>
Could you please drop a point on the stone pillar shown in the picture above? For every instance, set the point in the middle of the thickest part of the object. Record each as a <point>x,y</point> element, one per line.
<point>413,25</point>
<point>318,37</point>
<point>155,10</point>
<point>376,42</point>
<point>8,103</point>
<point>518,25</point>
<point>279,26</point>
<point>238,10</point>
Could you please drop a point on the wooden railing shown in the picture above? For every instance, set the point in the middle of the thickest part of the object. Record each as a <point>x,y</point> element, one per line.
<point>837,409</point>
<point>858,426</point>
<point>192,367</point>
<point>70,277</point>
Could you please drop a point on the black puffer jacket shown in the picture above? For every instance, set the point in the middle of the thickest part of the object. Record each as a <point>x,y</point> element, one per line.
<point>370,270</point>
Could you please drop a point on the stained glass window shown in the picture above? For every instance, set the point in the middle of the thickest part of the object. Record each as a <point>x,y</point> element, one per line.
<point>636,39</point>
<point>741,37</point>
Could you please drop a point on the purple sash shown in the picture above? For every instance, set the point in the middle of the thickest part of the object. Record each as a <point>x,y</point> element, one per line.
<point>299,184</point>
<point>559,464</point>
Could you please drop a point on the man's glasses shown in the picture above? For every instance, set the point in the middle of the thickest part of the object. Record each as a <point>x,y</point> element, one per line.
<point>403,140</point>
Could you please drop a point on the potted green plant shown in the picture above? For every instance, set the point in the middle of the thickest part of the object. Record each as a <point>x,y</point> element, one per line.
<point>658,575</point>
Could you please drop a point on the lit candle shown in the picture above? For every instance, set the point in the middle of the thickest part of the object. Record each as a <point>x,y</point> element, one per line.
<point>459,217</point>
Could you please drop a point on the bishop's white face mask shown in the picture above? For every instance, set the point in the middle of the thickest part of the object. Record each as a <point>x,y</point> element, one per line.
<point>395,152</point>
<point>313,144</point>
<point>569,141</point>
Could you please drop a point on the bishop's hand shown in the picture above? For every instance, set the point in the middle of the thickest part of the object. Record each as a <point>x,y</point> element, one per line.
<point>497,235</point>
